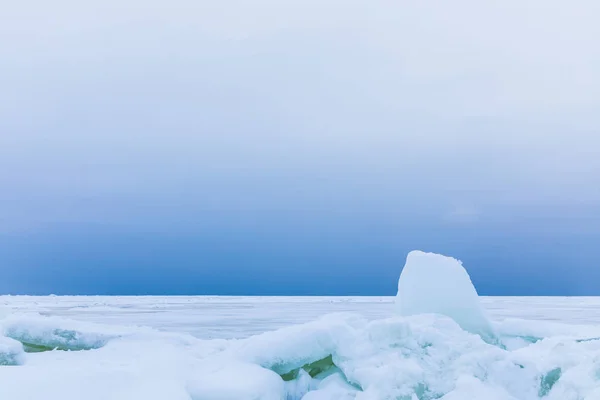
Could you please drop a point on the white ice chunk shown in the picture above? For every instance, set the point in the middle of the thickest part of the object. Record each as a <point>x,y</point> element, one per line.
<point>46,333</point>
<point>433,283</point>
<point>238,381</point>
<point>332,387</point>
<point>293,347</point>
<point>11,352</point>
<point>298,387</point>
<point>40,333</point>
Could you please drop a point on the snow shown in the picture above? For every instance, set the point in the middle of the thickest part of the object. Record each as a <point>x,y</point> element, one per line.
<point>339,356</point>
<point>147,348</point>
<point>333,387</point>
<point>433,283</point>
<point>54,333</point>
<point>11,352</point>
<point>239,381</point>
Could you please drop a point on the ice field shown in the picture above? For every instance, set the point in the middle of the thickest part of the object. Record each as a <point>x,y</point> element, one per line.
<point>435,340</point>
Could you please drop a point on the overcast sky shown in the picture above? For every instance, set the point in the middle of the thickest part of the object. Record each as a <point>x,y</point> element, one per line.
<point>297,147</point>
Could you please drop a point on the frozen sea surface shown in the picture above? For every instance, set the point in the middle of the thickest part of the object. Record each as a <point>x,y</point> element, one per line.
<point>292,348</point>
<point>227,317</point>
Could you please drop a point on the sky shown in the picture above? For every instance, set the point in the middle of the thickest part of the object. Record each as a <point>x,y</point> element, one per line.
<point>301,147</point>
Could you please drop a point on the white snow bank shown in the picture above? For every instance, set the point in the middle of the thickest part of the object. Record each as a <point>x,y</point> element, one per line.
<point>432,283</point>
<point>421,356</point>
<point>290,348</point>
<point>122,370</point>
<point>11,352</point>
<point>336,357</point>
<point>238,381</point>
<point>396,358</point>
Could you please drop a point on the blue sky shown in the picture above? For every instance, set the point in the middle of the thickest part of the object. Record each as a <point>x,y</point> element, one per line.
<point>301,147</point>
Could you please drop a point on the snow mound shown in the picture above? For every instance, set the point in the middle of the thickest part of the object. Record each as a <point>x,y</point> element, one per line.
<point>294,347</point>
<point>11,352</point>
<point>239,381</point>
<point>339,356</point>
<point>433,283</point>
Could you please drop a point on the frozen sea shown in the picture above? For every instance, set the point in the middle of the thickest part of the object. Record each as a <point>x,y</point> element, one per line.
<point>228,317</point>
<point>292,348</point>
